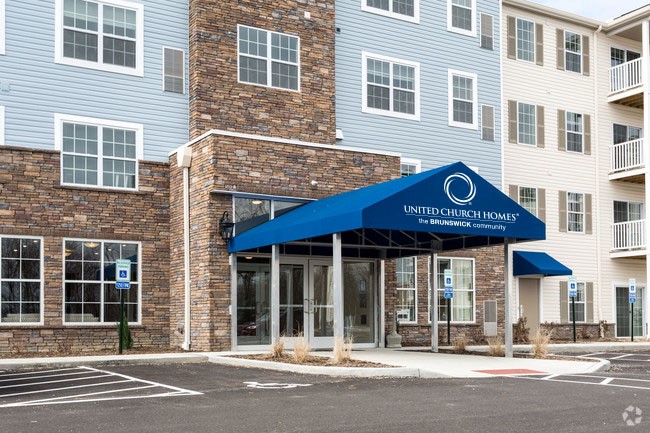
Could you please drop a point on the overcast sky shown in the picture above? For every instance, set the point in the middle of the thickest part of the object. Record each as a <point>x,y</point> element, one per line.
<point>599,9</point>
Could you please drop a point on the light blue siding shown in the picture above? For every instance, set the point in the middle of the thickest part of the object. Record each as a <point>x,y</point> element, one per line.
<point>430,139</point>
<point>33,87</point>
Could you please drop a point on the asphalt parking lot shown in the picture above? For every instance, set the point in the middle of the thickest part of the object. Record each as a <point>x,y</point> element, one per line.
<point>208,397</point>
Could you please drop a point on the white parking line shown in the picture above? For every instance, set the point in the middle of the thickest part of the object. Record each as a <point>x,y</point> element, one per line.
<point>643,384</point>
<point>622,356</point>
<point>170,391</point>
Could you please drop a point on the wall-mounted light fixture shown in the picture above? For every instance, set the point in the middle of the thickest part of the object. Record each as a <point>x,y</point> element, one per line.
<point>226,226</point>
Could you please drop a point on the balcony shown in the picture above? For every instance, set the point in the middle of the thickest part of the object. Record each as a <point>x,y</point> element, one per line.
<point>626,83</point>
<point>628,239</point>
<point>628,161</point>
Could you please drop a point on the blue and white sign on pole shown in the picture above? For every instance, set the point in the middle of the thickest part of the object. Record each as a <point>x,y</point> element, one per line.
<point>123,274</point>
<point>573,287</point>
<point>632,291</point>
<point>449,284</point>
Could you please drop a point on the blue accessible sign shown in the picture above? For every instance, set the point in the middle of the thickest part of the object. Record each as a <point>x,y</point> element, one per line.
<point>573,287</point>
<point>632,290</point>
<point>449,284</point>
<point>122,274</point>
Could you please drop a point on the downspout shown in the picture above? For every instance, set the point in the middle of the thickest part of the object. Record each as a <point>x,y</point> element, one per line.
<point>184,160</point>
<point>596,149</point>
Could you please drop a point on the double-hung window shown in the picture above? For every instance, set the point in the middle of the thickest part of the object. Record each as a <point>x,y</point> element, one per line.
<point>575,212</point>
<point>105,34</point>
<point>573,51</point>
<point>580,304</point>
<point>528,199</point>
<point>410,166</point>
<point>98,153</point>
<point>90,295</point>
<point>268,58</point>
<point>408,10</point>
<point>463,99</point>
<point>391,87</point>
<point>462,305</point>
<point>574,132</point>
<point>21,279</point>
<point>406,308</point>
<point>526,123</point>
<point>461,16</point>
<point>173,70</point>
<point>525,40</point>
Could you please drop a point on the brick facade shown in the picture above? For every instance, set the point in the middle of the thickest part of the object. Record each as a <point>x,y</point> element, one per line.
<point>219,101</point>
<point>222,163</point>
<point>32,202</point>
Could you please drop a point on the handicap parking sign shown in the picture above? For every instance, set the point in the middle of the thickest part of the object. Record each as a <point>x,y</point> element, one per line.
<point>123,274</point>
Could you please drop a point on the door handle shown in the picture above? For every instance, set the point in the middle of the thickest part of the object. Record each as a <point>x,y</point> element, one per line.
<point>305,305</point>
<point>311,306</point>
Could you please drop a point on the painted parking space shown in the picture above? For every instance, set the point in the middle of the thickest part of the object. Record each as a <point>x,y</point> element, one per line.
<point>78,385</point>
<point>620,356</point>
<point>584,379</point>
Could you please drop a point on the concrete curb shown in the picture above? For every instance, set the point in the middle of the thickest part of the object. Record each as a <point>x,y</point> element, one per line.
<point>394,372</point>
<point>602,365</point>
<point>62,362</point>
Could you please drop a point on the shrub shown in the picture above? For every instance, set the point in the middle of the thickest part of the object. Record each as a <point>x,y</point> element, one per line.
<point>301,349</point>
<point>540,343</point>
<point>496,347</point>
<point>460,344</point>
<point>521,332</point>
<point>277,349</point>
<point>342,350</point>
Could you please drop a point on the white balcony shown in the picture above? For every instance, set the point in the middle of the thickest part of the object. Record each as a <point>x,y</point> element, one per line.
<point>628,161</point>
<point>628,239</point>
<point>626,83</point>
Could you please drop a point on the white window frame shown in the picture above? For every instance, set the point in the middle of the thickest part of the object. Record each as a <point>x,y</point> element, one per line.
<point>163,69</point>
<point>519,103</point>
<point>101,282</point>
<point>99,65</point>
<point>59,119</point>
<point>568,214</point>
<point>2,125</point>
<point>519,191</point>
<point>581,53</point>
<point>628,203</point>
<point>581,133</point>
<point>416,163</point>
<point>269,60</point>
<point>441,289</point>
<point>364,89</point>
<point>42,279</point>
<point>450,94</point>
<point>517,40</point>
<point>389,13</point>
<point>2,27</point>
<point>583,302</point>
<point>413,289</point>
<point>472,31</point>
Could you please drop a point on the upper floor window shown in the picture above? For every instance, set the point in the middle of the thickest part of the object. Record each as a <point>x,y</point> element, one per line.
<point>173,70</point>
<point>106,35</point>
<point>527,125</point>
<point>525,40</point>
<point>409,166</point>
<point>625,133</point>
<point>626,211</point>
<point>528,199</point>
<point>620,55</point>
<point>268,58</point>
<point>408,10</point>
<point>575,212</point>
<point>21,279</point>
<point>487,32</point>
<point>574,132</point>
<point>573,51</point>
<point>97,152</point>
<point>391,87</point>
<point>461,16</point>
<point>462,99</point>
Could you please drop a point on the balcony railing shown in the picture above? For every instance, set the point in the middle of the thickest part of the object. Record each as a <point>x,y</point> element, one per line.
<point>626,76</point>
<point>627,156</point>
<point>628,235</point>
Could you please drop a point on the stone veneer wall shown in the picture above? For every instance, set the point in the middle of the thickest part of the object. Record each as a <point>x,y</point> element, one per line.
<point>488,270</point>
<point>254,166</point>
<point>219,101</point>
<point>32,202</point>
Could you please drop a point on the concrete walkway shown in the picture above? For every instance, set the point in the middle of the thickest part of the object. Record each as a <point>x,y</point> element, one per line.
<point>406,362</point>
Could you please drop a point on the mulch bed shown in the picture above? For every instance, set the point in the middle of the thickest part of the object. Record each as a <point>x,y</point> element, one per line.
<point>322,361</point>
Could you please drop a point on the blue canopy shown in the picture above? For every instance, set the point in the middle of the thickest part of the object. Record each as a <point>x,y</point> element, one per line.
<point>447,208</point>
<point>535,263</point>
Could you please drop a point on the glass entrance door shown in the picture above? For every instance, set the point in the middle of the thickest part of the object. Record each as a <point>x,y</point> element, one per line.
<point>320,305</point>
<point>293,301</point>
<point>623,312</point>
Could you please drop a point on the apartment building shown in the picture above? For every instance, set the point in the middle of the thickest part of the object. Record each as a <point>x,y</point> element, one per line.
<point>574,156</point>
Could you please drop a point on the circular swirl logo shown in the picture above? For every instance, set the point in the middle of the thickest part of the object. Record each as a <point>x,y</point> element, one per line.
<point>456,178</point>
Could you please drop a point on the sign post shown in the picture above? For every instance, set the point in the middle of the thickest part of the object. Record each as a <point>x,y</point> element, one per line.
<point>122,282</point>
<point>449,295</point>
<point>573,293</point>
<point>632,295</point>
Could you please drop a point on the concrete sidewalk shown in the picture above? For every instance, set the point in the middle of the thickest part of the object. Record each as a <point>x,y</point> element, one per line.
<point>406,362</point>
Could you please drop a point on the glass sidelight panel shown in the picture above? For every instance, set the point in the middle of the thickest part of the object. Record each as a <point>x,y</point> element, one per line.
<point>323,301</point>
<point>359,303</point>
<point>292,295</point>
<point>253,301</point>
<point>623,312</point>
